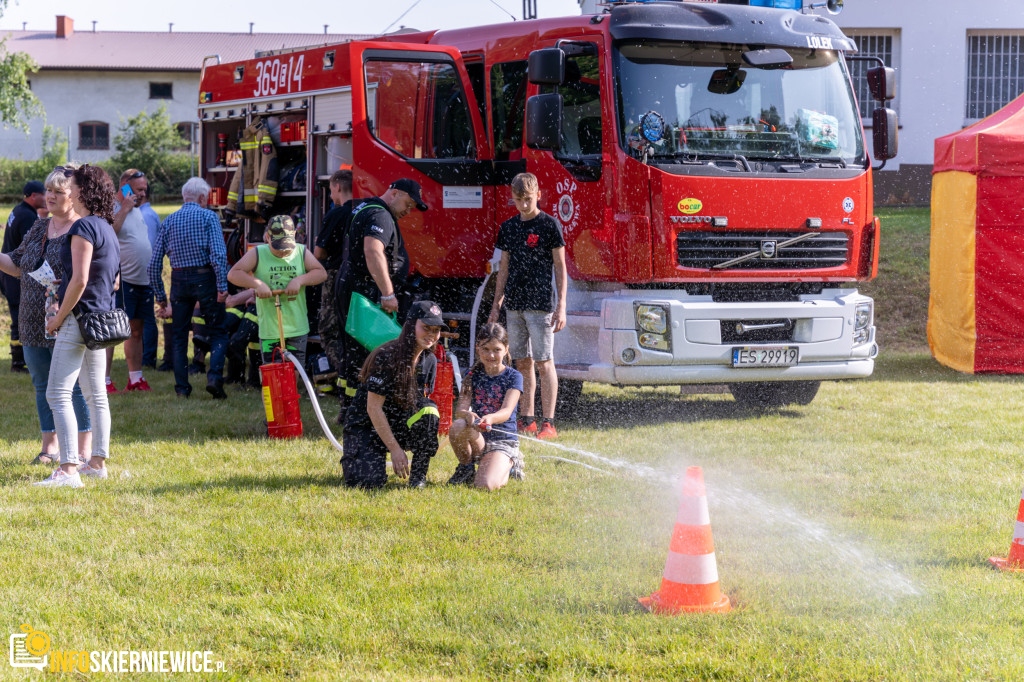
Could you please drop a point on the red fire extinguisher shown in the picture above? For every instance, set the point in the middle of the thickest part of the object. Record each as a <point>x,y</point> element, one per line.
<point>444,394</point>
<point>280,396</point>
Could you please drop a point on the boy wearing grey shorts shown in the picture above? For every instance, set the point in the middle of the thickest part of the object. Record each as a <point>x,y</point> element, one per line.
<point>532,250</point>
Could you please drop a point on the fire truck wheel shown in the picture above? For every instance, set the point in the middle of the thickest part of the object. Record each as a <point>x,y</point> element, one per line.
<point>774,394</point>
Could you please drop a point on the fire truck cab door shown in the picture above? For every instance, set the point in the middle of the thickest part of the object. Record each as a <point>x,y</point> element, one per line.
<point>415,116</point>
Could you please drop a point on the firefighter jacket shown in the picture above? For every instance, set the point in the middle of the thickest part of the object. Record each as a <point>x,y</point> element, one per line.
<point>255,181</point>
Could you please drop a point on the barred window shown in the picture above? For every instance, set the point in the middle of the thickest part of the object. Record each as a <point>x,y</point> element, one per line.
<point>870,45</point>
<point>995,75</point>
<point>93,135</point>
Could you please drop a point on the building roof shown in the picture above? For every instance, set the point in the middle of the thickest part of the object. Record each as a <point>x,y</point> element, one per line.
<point>154,51</point>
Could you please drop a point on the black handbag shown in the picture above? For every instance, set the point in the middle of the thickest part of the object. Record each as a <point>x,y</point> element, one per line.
<point>103,329</point>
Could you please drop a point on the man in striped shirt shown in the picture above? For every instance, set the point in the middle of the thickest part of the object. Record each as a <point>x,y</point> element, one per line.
<point>191,238</point>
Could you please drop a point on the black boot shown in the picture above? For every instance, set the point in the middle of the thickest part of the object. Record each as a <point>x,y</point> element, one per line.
<point>168,364</point>
<point>255,360</point>
<point>234,369</point>
<point>464,475</point>
<point>18,358</point>
<point>418,471</point>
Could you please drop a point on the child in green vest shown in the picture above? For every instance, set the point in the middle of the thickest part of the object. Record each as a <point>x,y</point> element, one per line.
<point>279,265</point>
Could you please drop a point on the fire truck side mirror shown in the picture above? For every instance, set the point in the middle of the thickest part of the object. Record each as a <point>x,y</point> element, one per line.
<point>882,83</point>
<point>544,122</point>
<point>885,132</point>
<point>546,66</point>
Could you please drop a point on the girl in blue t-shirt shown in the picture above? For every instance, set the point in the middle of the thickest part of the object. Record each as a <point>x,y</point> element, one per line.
<point>484,430</point>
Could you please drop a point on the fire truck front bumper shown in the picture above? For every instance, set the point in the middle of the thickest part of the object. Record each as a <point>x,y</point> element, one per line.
<point>675,338</point>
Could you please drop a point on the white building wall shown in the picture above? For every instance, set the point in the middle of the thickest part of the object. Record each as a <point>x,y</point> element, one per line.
<point>72,97</point>
<point>931,59</point>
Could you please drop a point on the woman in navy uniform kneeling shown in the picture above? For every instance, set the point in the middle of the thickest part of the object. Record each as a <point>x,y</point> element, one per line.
<point>391,412</point>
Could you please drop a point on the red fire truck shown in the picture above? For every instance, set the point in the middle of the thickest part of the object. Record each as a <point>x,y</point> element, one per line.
<point>705,160</point>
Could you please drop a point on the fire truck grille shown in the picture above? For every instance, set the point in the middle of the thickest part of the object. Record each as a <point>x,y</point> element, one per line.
<point>705,250</point>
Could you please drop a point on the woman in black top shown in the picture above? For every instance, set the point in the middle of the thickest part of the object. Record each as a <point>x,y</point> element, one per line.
<point>43,244</point>
<point>91,259</point>
<point>391,412</point>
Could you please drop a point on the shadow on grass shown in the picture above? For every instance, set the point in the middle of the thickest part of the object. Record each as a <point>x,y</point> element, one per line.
<point>628,410</point>
<point>279,483</point>
<point>252,482</point>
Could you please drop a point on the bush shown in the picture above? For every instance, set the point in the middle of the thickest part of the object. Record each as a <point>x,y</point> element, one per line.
<point>15,173</point>
<point>147,141</point>
<point>151,143</point>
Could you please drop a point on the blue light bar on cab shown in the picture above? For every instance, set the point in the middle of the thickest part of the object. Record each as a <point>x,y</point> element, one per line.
<point>777,4</point>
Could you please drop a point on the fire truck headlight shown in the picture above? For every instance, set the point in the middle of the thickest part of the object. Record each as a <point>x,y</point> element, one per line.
<point>862,322</point>
<point>655,341</point>
<point>652,318</point>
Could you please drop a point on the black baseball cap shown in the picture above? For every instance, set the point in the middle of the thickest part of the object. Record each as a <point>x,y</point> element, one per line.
<point>412,188</point>
<point>33,187</point>
<point>429,312</point>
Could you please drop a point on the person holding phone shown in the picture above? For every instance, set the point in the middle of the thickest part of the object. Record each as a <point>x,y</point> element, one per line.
<point>135,294</point>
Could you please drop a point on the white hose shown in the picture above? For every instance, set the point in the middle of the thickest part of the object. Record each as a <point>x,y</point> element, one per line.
<point>312,396</point>
<point>572,461</point>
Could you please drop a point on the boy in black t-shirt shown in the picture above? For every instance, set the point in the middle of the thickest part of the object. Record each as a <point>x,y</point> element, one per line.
<point>532,248</point>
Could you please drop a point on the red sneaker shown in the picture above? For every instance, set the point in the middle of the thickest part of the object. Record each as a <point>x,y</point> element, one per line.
<point>111,388</point>
<point>139,385</point>
<point>547,432</point>
<point>528,429</point>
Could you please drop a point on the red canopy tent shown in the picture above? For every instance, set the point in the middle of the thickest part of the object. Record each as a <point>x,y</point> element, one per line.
<point>976,307</point>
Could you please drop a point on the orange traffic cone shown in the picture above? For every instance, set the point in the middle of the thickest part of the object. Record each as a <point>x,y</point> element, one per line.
<point>690,580</point>
<point>1015,561</point>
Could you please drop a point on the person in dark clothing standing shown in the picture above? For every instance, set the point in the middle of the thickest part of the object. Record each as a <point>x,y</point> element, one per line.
<point>391,412</point>
<point>376,267</point>
<point>21,220</point>
<point>330,250</point>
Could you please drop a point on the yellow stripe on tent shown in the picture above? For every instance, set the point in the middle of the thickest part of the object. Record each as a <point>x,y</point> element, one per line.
<point>951,311</point>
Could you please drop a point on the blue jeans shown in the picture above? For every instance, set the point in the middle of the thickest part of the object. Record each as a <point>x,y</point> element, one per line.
<point>188,287</point>
<point>38,360</point>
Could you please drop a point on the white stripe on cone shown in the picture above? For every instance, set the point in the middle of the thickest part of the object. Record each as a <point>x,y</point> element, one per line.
<point>1018,532</point>
<point>693,511</point>
<point>691,570</point>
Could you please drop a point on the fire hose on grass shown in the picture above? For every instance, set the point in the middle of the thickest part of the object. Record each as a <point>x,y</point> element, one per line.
<point>281,398</point>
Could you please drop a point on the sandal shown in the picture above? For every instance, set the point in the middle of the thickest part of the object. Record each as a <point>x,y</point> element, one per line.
<point>50,459</point>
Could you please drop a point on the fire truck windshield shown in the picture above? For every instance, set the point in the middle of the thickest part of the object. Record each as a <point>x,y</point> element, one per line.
<point>715,104</point>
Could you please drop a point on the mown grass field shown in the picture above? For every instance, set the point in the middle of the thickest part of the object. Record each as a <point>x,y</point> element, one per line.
<point>852,535</point>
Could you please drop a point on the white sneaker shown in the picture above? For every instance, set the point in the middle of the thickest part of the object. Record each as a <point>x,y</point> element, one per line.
<point>59,479</point>
<point>86,470</point>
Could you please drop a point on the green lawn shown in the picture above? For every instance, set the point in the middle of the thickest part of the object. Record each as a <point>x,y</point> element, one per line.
<point>852,536</point>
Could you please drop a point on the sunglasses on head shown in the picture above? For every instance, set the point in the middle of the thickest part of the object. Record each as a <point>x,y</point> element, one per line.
<point>66,171</point>
<point>136,175</point>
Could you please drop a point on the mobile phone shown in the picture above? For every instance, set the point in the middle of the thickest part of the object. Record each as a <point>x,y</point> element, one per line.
<point>126,191</point>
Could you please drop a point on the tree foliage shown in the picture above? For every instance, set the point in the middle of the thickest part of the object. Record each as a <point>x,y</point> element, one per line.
<point>17,103</point>
<point>151,143</point>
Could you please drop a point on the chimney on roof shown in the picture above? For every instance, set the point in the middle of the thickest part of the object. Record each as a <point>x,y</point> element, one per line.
<point>93,25</point>
<point>170,27</point>
<point>325,29</point>
<point>65,26</point>
<point>250,27</point>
